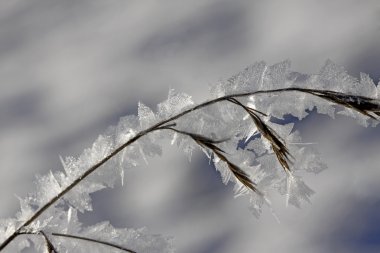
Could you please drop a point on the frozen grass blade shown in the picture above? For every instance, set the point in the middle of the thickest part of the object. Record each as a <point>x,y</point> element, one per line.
<point>210,144</point>
<point>282,153</point>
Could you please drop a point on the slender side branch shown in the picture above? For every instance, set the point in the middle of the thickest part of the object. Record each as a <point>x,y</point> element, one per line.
<point>49,245</point>
<point>208,143</point>
<point>93,240</point>
<point>367,106</point>
<point>51,248</point>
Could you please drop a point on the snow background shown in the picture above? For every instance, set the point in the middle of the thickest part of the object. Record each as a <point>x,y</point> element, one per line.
<point>69,69</point>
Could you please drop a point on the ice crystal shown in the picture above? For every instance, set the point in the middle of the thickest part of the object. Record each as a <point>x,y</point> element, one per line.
<point>146,116</point>
<point>296,191</point>
<point>175,103</point>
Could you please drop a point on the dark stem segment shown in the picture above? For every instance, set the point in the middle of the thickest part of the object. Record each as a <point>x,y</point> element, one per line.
<point>94,240</point>
<point>75,237</point>
<point>49,245</point>
<point>364,105</point>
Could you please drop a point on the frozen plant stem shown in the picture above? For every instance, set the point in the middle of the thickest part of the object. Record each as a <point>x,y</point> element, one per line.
<point>51,249</point>
<point>49,245</point>
<point>276,142</point>
<point>210,144</point>
<point>367,106</point>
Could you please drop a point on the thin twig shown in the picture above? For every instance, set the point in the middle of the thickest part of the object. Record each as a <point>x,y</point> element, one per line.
<point>94,240</point>
<point>49,245</point>
<point>208,143</point>
<point>76,237</point>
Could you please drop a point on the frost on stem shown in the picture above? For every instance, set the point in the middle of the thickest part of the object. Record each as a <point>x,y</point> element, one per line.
<point>236,129</point>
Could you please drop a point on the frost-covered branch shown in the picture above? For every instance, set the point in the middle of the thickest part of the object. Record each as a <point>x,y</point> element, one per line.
<point>260,90</point>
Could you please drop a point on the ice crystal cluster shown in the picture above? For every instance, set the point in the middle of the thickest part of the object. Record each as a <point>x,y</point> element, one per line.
<point>236,129</point>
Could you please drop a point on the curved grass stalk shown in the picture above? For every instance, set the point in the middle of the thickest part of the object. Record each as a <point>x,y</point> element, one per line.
<point>367,106</point>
